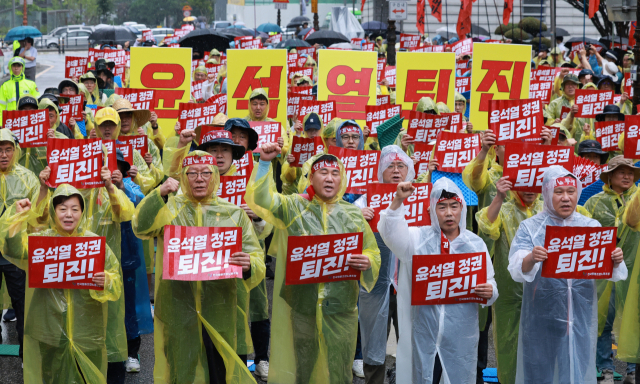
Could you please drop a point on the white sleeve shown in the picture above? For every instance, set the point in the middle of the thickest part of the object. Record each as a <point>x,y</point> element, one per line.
<point>515,267</point>
<point>361,202</point>
<point>619,273</point>
<point>207,89</point>
<point>397,234</point>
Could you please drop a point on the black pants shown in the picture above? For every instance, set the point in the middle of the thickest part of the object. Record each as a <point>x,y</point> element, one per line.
<point>15,278</point>
<point>260,333</point>
<point>483,350</point>
<point>437,370</point>
<point>116,372</point>
<point>133,346</point>
<point>217,370</point>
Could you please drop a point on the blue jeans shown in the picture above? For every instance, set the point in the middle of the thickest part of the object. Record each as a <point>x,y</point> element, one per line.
<point>604,359</point>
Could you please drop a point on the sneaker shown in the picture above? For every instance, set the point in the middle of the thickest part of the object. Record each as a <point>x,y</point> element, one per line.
<point>262,370</point>
<point>153,315</point>
<point>358,368</point>
<point>607,376</point>
<point>10,315</point>
<point>630,378</point>
<point>132,364</point>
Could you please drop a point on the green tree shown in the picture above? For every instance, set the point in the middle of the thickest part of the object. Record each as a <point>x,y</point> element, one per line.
<point>104,7</point>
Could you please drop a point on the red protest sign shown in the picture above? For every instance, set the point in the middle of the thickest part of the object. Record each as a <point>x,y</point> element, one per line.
<point>543,73</point>
<point>378,114</point>
<point>448,278</point>
<point>607,133</point>
<point>361,167</point>
<point>318,144</point>
<point>293,103</point>
<point>383,99</point>
<point>192,115</point>
<point>233,188</point>
<point>30,127</point>
<point>526,163</point>
<point>118,56</point>
<point>591,102</point>
<point>368,47</point>
<point>322,258</point>
<point>300,71</point>
<point>65,262</point>
<point>292,60</point>
<point>138,142</point>
<point>250,43</point>
<point>325,109</point>
<point>302,149</point>
<point>111,161</point>
<point>422,153</point>
<point>382,63</point>
<point>416,206</point>
<point>75,162</point>
<point>463,84</point>
<point>515,119</point>
<point>268,132</point>
<point>120,70</point>
<point>430,48</point>
<point>302,90</point>
<point>541,89</point>
<point>74,66</point>
<point>76,106</point>
<point>308,51</point>
<point>631,143</point>
<point>424,127</point>
<point>139,98</point>
<point>219,100</point>
<point>65,113</point>
<point>390,75</point>
<point>244,166</point>
<point>357,40</point>
<point>456,123</point>
<point>147,35</point>
<point>408,41</point>
<point>274,39</point>
<point>127,152</point>
<point>579,252</point>
<point>196,90</point>
<point>200,253</point>
<point>213,69</point>
<point>455,150</point>
<point>463,47</point>
<point>306,35</point>
<point>628,85</point>
<point>564,112</point>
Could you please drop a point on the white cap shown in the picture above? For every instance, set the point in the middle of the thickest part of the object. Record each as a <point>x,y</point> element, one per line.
<point>609,69</point>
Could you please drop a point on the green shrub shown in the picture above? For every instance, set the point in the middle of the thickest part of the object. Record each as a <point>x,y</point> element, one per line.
<point>532,25</point>
<point>504,28</point>
<point>543,40</point>
<point>517,33</point>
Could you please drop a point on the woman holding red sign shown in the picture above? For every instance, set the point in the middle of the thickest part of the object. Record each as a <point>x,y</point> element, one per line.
<point>436,340</point>
<point>558,322</point>
<point>65,329</point>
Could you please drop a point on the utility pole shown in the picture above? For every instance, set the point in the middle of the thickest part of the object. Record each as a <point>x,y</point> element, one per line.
<point>24,13</point>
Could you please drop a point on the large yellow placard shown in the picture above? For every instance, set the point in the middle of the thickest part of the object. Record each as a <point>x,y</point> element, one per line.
<point>168,71</point>
<point>349,78</point>
<point>500,72</point>
<point>425,74</point>
<point>250,69</point>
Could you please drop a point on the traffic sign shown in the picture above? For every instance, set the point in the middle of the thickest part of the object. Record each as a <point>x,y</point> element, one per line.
<point>397,10</point>
<point>280,5</point>
<point>186,13</point>
<point>187,8</point>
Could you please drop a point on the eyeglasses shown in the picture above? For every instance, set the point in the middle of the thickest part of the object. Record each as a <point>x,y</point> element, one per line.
<point>7,151</point>
<point>350,138</point>
<point>399,167</point>
<point>194,175</point>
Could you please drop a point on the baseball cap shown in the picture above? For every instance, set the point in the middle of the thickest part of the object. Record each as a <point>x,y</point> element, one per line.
<point>107,114</point>
<point>313,122</point>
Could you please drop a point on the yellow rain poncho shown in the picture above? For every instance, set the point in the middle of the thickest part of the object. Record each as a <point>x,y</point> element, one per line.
<point>65,329</point>
<point>96,97</point>
<point>252,117</point>
<point>290,176</point>
<point>458,97</point>
<point>314,339</point>
<point>442,107</point>
<point>184,307</point>
<point>506,311</point>
<point>35,159</point>
<point>627,323</point>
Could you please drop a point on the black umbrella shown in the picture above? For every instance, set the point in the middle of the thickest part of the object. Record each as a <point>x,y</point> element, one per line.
<point>478,30</point>
<point>292,43</point>
<point>587,40</point>
<point>303,32</point>
<point>202,40</point>
<point>327,37</point>
<point>112,35</point>
<point>615,39</point>
<point>374,25</point>
<point>236,32</point>
<point>298,20</point>
<point>560,32</point>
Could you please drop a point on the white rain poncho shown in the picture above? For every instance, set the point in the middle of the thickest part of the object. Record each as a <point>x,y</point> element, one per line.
<point>558,321</point>
<point>451,330</point>
<point>374,305</point>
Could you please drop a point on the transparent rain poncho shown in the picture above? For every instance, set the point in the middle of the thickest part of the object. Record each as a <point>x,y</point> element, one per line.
<point>314,339</point>
<point>558,321</point>
<point>184,307</point>
<point>65,329</point>
<point>506,311</point>
<point>451,331</point>
<point>374,305</point>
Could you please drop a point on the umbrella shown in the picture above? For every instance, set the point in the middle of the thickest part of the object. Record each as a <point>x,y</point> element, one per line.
<point>327,37</point>
<point>269,27</point>
<point>235,32</point>
<point>374,25</point>
<point>21,33</point>
<point>303,32</point>
<point>560,32</point>
<point>587,40</point>
<point>189,18</point>
<point>478,30</point>
<point>112,34</point>
<point>342,46</point>
<point>292,43</point>
<point>202,40</point>
<point>298,20</point>
<point>615,39</point>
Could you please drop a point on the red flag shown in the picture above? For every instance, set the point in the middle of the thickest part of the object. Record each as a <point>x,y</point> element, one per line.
<point>436,9</point>
<point>464,19</point>
<point>593,7</point>
<point>506,13</point>
<point>632,31</point>
<point>420,17</point>
<point>362,6</point>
